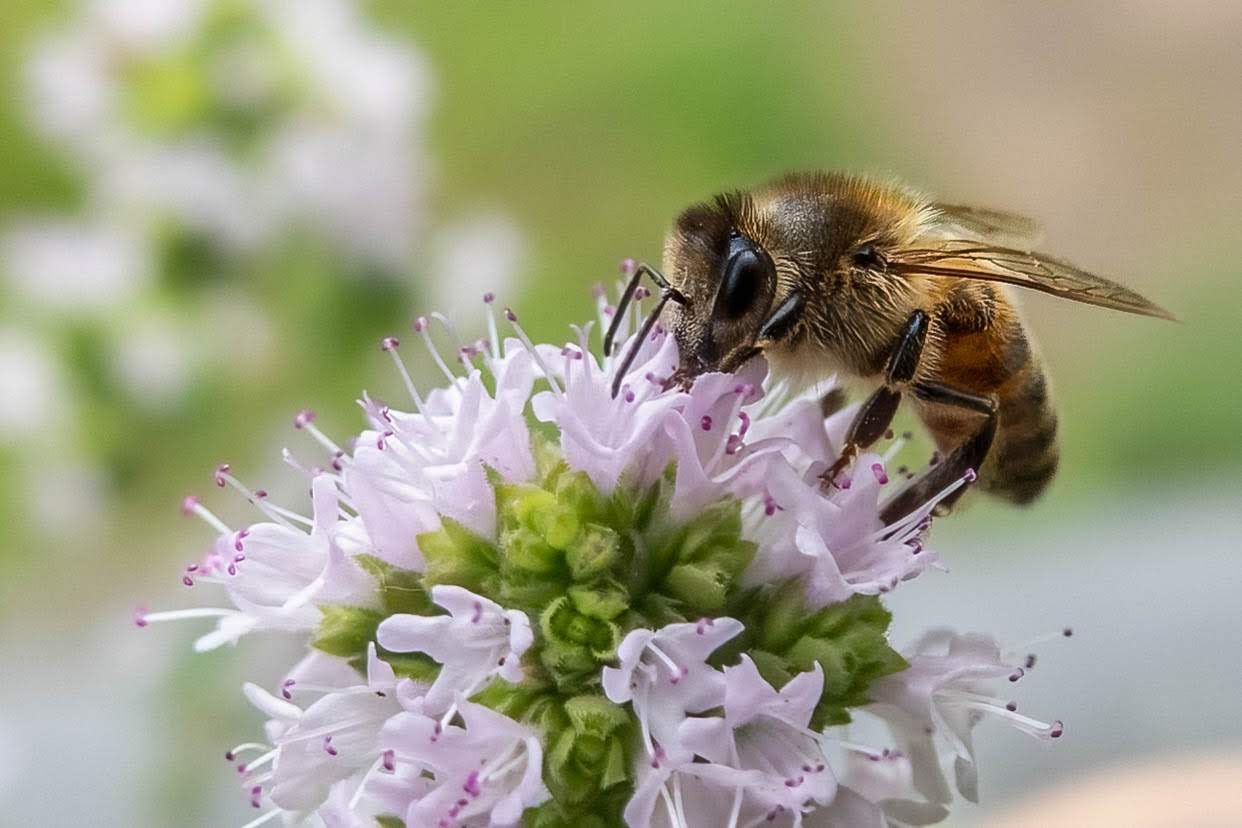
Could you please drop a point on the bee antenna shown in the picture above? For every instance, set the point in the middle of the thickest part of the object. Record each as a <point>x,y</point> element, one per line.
<point>641,337</point>
<point>667,292</point>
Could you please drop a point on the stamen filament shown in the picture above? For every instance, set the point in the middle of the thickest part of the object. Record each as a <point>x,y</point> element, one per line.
<point>420,327</point>
<point>245,747</point>
<point>191,506</point>
<point>410,388</point>
<point>492,334</point>
<point>530,346</point>
<point>223,476</point>
<point>660,654</point>
<point>192,612</point>
<point>1026,724</point>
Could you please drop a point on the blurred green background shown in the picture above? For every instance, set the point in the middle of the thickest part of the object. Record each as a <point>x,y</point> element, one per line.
<point>580,129</point>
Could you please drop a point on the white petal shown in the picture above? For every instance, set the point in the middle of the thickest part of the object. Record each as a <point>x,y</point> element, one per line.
<point>270,705</point>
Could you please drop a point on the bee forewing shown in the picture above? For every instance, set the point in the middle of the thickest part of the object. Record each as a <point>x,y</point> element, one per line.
<point>972,260</point>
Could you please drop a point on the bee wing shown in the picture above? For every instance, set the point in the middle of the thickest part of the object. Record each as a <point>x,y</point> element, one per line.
<point>993,226</point>
<point>973,260</point>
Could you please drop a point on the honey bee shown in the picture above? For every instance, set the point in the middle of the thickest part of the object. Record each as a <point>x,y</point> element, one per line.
<point>833,274</point>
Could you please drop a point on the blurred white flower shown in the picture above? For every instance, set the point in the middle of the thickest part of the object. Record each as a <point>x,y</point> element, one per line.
<point>243,120</point>
<point>237,332</point>
<point>31,392</point>
<point>66,498</point>
<point>74,266</point>
<point>472,256</point>
<point>154,361</point>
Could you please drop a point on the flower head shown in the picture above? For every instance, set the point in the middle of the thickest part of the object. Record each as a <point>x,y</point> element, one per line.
<point>530,601</point>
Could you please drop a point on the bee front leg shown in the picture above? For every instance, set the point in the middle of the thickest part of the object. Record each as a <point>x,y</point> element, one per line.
<point>878,410</point>
<point>963,462</point>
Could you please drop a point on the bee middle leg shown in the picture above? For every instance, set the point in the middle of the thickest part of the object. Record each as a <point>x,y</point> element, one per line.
<point>961,463</point>
<point>878,410</point>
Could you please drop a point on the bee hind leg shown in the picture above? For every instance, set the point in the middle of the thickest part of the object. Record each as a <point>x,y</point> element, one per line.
<point>963,462</point>
<point>878,410</point>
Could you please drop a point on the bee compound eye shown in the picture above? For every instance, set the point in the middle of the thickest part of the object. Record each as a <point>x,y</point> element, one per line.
<point>743,275</point>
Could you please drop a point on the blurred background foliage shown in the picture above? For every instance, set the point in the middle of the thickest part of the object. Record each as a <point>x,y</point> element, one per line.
<point>550,140</point>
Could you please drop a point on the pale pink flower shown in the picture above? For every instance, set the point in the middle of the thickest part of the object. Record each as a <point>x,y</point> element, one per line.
<point>275,573</point>
<point>833,538</point>
<point>933,706</point>
<point>333,739</point>
<point>483,774</point>
<point>412,468</point>
<point>608,437</point>
<point>765,733</point>
<point>664,675</point>
<point>477,640</point>
<point>876,791</point>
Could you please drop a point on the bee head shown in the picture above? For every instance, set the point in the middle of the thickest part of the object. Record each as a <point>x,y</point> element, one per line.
<point>714,256</point>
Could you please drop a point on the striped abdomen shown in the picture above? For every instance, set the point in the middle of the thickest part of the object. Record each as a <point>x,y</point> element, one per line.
<point>995,359</point>
<point>1024,455</point>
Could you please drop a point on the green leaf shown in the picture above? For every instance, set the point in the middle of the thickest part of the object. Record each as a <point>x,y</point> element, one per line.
<point>616,765</point>
<point>418,666</point>
<point>401,590</point>
<point>387,821</point>
<point>589,754</point>
<point>558,525</point>
<point>455,555</point>
<point>345,631</point>
<point>562,624</point>
<point>773,668</point>
<point>522,702</point>
<point>528,592</point>
<point>569,664</point>
<point>713,529</point>
<point>544,444</point>
<point>574,490</point>
<point>784,616</point>
<point>520,503</point>
<point>848,640</point>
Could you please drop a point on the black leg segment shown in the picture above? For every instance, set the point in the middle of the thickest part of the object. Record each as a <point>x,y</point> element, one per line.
<point>938,392</point>
<point>904,361</point>
<point>877,413</point>
<point>967,457</point>
<point>874,418</point>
